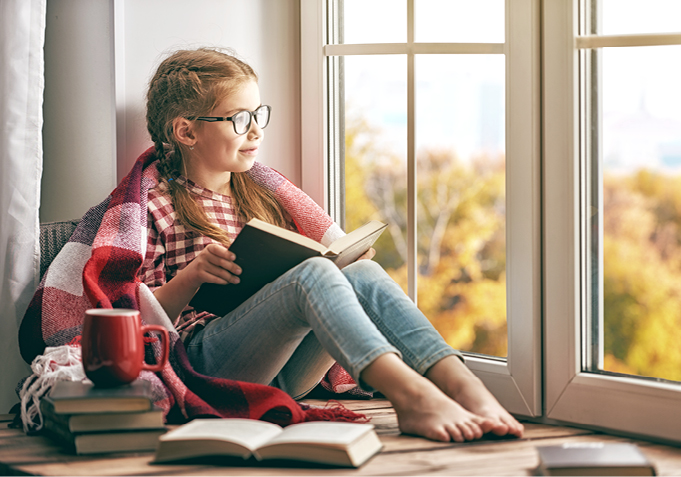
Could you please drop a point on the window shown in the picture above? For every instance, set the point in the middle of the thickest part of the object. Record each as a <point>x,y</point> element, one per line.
<point>414,123</point>
<point>612,128</point>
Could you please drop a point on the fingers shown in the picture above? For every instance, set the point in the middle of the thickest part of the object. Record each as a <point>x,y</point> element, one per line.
<point>216,265</point>
<point>368,255</point>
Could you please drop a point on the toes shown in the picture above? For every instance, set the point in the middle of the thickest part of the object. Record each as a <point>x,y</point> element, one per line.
<point>455,433</point>
<point>477,431</point>
<point>485,424</point>
<point>514,427</point>
<point>500,428</point>
<point>441,434</point>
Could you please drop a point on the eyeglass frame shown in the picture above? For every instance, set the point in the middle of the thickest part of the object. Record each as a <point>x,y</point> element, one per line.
<point>251,114</point>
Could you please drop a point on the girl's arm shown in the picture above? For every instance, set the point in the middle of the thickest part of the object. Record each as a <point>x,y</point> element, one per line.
<point>214,264</point>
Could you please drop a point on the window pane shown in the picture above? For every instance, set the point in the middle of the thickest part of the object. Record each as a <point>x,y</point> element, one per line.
<point>641,200</point>
<point>621,17</point>
<point>374,21</point>
<point>460,132</point>
<point>375,153</point>
<point>459,21</point>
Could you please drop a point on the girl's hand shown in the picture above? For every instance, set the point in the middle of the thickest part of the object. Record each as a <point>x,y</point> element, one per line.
<point>214,264</point>
<point>368,255</point>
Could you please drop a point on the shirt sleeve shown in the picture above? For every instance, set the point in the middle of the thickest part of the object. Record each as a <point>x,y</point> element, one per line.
<point>152,273</point>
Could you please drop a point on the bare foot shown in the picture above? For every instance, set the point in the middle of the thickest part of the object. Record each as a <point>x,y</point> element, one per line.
<point>460,384</point>
<point>474,396</point>
<point>432,414</point>
<point>422,408</point>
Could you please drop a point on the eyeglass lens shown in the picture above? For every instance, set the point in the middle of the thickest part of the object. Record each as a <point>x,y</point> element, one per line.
<point>242,119</point>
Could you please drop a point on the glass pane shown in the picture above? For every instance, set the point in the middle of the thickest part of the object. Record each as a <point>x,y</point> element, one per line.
<point>620,17</point>
<point>459,21</point>
<point>375,153</point>
<point>460,132</point>
<point>641,201</point>
<point>374,21</point>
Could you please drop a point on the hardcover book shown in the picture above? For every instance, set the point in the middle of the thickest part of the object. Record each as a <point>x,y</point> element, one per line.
<point>593,458</point>
<point>104,442</point>
<point>264,252</point>
<point>102,421</point>
<point>81,397</point>
<point>333,443</point>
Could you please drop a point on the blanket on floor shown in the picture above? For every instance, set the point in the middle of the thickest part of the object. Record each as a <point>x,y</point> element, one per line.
<point>98,267</point>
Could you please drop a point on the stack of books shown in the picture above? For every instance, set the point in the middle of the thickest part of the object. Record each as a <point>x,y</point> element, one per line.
<point>92,420</point>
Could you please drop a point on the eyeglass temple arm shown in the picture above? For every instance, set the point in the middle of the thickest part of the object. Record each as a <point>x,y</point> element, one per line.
<point>212,119</point>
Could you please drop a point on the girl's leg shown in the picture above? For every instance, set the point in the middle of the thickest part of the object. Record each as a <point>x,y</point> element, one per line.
<point>459,383</point>
<point>421,345</point>
<point>305,369</point>
<point>254,342</point>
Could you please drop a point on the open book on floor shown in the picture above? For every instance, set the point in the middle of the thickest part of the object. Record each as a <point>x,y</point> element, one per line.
<point>264,252</point>
<point>332,443</point>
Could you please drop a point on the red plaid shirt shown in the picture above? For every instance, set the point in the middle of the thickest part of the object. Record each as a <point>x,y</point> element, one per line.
<point>171,246</point>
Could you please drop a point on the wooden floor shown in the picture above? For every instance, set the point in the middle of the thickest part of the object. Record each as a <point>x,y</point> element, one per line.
<point>402,455</point>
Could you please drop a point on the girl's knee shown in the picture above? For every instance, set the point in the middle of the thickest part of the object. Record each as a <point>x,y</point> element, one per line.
<point>317,266</point>
<point>316,270</point>
<point>367,269</point>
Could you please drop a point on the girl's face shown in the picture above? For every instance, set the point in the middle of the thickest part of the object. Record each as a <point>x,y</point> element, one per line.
<point>218,149</point>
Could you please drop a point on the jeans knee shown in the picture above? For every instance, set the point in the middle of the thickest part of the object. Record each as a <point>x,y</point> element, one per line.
<point>363,270</point>
<point>314,271</point>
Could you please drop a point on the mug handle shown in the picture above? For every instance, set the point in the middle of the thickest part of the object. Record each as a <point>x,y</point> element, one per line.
<point>166,348</point>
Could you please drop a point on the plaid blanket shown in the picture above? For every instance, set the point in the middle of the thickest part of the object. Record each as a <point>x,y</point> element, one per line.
<point>98,268</point>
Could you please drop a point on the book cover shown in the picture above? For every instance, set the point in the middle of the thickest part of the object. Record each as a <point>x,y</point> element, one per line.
<point>593,458</point>
<point>80,397</point>
<point>264,252</point>
<point>332,443</point>
<point>102,421</point>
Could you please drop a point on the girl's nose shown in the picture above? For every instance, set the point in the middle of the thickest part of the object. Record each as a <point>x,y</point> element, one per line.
<point>255,129</point>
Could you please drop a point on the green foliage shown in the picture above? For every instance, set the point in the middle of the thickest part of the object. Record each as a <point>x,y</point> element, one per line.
<point>642,290</point>
<point>461,250</point>
<point>461,233</point>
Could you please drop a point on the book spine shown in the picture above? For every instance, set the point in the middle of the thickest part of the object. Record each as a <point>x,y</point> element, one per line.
<point>59,433</point>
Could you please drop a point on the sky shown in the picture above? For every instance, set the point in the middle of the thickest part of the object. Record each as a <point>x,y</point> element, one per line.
<point>460,99</point>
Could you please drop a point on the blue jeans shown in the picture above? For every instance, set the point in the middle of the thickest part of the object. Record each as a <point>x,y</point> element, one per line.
<point>291,332</point>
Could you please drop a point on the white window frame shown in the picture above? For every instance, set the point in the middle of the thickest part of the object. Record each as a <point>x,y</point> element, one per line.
<point>516,381</point>
<point>630,405</point>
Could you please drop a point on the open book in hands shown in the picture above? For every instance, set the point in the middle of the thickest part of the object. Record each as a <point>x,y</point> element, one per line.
<point>333,443</point>
<point>264,252</point>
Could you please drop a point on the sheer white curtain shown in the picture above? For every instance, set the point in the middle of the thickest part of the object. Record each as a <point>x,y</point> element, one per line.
<point>22,39</point>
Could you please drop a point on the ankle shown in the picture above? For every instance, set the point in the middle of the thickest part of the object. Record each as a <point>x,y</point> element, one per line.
<point>452,376</point>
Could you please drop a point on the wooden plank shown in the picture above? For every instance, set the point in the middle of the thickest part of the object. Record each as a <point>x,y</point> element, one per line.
<point>7,417</point>
<point>667,459</point>
<point>54,461</point>
<point>358,405</point>
<point>402,454</point>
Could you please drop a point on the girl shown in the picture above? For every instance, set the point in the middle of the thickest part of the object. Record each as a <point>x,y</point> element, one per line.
<point>206,119</point>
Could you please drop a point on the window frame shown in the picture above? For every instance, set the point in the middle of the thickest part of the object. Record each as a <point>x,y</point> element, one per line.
<point>572,395</point>
<point>516,381</point>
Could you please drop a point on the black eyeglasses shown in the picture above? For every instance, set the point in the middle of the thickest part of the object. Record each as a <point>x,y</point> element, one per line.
<point>242,120</point>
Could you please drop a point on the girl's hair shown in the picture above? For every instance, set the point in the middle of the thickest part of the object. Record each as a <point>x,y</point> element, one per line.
<point>188,84</point>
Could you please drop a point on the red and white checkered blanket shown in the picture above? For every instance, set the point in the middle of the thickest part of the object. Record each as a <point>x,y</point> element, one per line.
<point>98,268</point>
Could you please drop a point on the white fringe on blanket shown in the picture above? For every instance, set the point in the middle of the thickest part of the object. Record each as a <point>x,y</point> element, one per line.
<point>62,363</point>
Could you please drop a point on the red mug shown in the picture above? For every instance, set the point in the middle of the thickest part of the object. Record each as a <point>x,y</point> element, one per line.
<point>113,346</point>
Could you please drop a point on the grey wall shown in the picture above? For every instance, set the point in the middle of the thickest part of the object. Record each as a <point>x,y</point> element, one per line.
<point>79,113</point>
<point>99,57</point>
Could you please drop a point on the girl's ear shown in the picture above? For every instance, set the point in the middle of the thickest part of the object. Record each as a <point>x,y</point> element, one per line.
<point>184,132</point>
